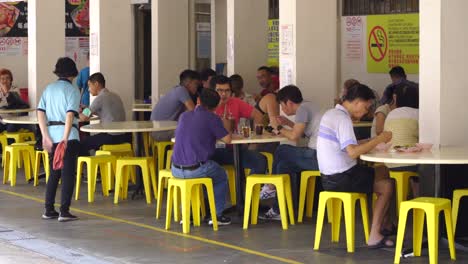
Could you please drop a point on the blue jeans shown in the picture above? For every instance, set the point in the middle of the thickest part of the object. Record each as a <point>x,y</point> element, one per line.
<point>250,159</point>
<point>211,170</point>
<point>293,160</point>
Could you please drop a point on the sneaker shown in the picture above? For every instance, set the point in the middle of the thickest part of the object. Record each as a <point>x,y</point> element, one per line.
<point>50,215</point>
<point>222,220</point>
<point>65,217</point>
<point>270,215</point>
<point>267,193</point>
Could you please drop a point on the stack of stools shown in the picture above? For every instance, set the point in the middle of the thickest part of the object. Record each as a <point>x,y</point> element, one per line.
<point>14,154</point>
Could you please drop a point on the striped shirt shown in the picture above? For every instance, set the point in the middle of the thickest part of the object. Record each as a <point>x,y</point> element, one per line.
<point>336,132</point>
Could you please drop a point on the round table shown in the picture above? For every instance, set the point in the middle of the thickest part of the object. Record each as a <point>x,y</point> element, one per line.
<point>362,124</point>
<point>141,109</point>
<point>16,111</point>
<point>130,127</point>
<point>29,120</point>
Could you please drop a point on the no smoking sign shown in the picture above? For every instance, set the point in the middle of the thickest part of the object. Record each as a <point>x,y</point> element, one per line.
<point>378,43</point>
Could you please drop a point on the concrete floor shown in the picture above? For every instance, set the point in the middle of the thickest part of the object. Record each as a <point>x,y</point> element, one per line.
<point>129,233</point>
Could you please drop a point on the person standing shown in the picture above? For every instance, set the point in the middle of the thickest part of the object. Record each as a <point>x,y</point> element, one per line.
<point>82,83</point>
<point>57,113</point>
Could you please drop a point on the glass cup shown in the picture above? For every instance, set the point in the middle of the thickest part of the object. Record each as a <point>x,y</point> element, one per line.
<point>246,131</point>
<point>259,129</point>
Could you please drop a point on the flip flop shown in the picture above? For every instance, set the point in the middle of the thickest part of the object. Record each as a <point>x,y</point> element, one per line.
<point>381,244</point>
<point>389,232</point>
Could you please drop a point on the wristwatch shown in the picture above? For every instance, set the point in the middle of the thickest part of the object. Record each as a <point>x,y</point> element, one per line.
<point>279,127</point>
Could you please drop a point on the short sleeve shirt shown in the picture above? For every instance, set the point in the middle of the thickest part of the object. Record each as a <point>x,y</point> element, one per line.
<point>236,108</point>
<point>172,105</point>
<point>309,114</point>
<point>59,98</point>
<point>196,135</point>
<point>108,106</point>
<point>384,109</point>
<point>82,83</point>
<point>336,132</point>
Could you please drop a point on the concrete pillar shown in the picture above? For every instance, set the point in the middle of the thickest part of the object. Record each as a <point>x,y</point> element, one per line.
<point>218,32</point>
<point>112,47</point>
<point>309,48</point>
<point>442,73</point>
<point>46,43</point>
<point>170,43</point>
<point>247,39</point>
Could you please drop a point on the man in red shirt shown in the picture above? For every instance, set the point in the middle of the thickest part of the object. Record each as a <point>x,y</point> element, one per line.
<point>231,109</point>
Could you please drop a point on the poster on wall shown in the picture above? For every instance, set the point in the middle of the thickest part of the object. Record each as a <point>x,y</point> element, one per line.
<point>393,40</point>
<point>273,42</point>
<point>287,40</point>
<point>352,37</point>
<point>77,18</point>
<point>13,19</point>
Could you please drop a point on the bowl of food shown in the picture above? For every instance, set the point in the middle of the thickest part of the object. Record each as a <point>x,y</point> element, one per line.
<point>408,148</point>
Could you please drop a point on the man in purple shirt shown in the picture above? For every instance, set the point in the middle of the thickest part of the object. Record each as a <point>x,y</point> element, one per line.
<point>196,136</point>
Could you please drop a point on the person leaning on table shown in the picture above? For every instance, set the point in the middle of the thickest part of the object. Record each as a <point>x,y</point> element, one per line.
<point>196,135</point>
<point>337,154</point>
<point>57,113</point>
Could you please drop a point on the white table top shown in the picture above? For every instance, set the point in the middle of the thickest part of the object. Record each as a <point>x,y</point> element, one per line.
<point>130,127</point>
<point>15,111</point>
<point>444,155</point>
<point>142,109</point>
<point>29,120</point>
<point>265,138</point>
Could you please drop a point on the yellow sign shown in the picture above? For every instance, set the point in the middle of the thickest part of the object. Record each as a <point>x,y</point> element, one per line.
<point>393,40</point>
<point>273,42</point>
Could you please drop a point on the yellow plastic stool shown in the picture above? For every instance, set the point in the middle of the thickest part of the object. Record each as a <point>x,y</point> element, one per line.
<point>20,137</point>
<point>457,195</point>
<point>163,177</point>
<point>349,202</point>
<point>269,158</point>
<point>147,172</point>
<point>307,187</point>
<point>14,154</point>
<point>431,207</point>
<point>4,143</point>
<point>159,148</point>
<point>402,184</point>
<point>231,175</point>
<point>190,193</point>
<point>283,193</point>
<point>44,155</point>
<point>92,164</point>
<point>119,150</point>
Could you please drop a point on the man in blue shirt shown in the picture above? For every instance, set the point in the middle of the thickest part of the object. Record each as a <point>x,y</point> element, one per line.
<point>337,154</point>
<point>82,83</point>
<point>196,136</point>
<point>57,113</point>
<point>398,75</point>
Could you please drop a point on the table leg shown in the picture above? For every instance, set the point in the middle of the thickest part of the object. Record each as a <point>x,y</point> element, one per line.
<point>239,178</point>
<point>139,190</point>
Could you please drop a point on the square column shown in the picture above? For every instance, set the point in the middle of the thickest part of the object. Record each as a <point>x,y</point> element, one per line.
<point>309,48</point>
<point>442,73</point>
<point>247,39</point>
<point>112,47</point>
<point>46,43</point>
<point>170,44</point>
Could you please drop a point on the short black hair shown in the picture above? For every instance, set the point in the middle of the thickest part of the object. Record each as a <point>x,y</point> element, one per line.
<point>291,93</point>
<point>188,75</point>
<point>223,79</point>
<point>406,95</point>
<point>206,74</point>
<point>237,84</point>
<point>397,71</point>
<point>388,94</point>
<point>65,67</point>
<point>265,68</point>
<point>359,91</point>
<point>209,98</point>
<point>99,78</point>
<point>212,84</point>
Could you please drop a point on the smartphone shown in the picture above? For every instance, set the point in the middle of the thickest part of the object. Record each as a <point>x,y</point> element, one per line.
<point>87,112</point>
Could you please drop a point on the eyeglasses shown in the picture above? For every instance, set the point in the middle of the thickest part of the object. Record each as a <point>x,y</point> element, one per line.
<point>223,90</point>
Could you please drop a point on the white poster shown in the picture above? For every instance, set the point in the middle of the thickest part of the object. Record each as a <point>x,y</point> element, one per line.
<point>286,71</point>
<point>287,39</point>
<point>77,48</point>
<point>352,38</point>
<point>13,46</point>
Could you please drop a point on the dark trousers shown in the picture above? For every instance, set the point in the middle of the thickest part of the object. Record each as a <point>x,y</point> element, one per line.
<point>67,174</point>
<point>96,141</point>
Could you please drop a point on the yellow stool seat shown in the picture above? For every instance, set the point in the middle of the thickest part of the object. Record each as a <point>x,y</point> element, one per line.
<point>431,207</point>
<point>20,137</point>
<point>307,187</point>
<point>457,195</point>
<point>14,154</point>
<point>231,176</point>
<point>401,185</point>
<point>283,193</point>
<point>191,197</point>
<point>44,155</point>
<point>335,200</point>
<point>159,149</point>
<point>104,162</point>
<point>147,172</point>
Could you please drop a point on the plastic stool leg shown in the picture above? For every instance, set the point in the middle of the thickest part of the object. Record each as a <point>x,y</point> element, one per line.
<point>418,225</point>
<point>248,201</point>
<point>433,236</point>
<point>319,224</point>
<point>349,215</point>
<point>450,233</point>
<point>400,234</point>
